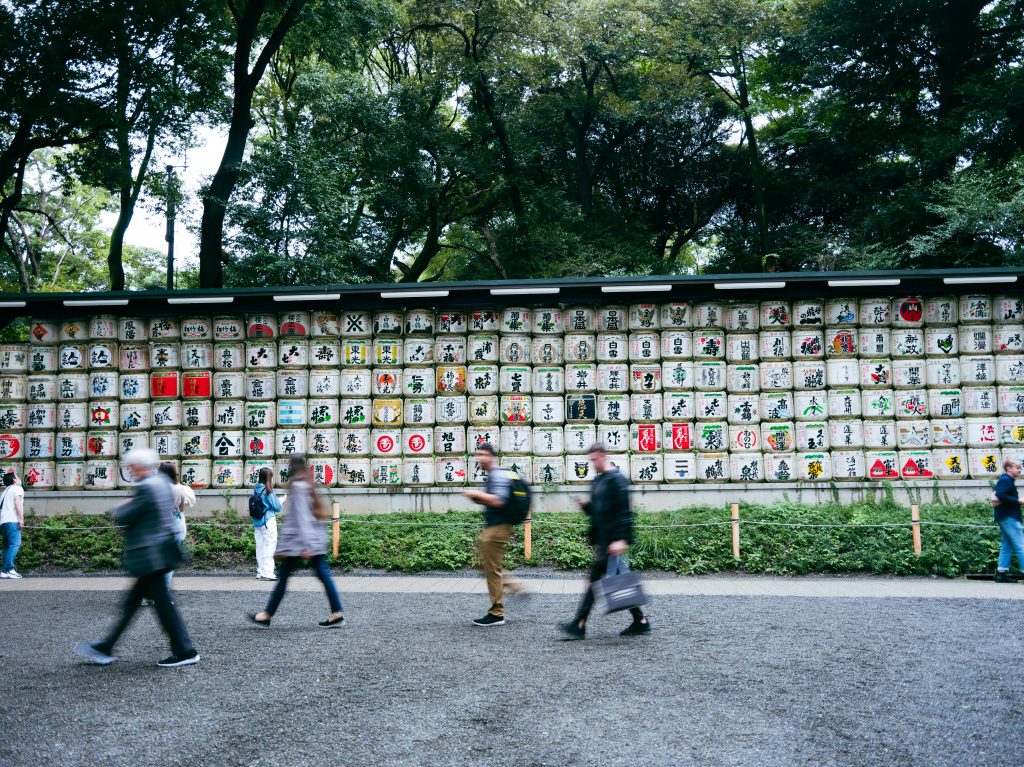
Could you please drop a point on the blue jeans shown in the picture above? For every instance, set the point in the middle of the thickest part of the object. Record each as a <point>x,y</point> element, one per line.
<point>322,571</point>
<point>12,542</point>
<point>1013,543</point>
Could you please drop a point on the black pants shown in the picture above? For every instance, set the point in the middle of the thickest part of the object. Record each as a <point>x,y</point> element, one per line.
<point>597,571</point>
<point>152,586</point>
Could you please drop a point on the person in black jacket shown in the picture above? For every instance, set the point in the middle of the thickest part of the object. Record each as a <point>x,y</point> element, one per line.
<point>611,532</point>
<point>1007,515</point>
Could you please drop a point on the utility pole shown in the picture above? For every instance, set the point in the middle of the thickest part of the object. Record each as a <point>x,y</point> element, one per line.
<point>169,236</point>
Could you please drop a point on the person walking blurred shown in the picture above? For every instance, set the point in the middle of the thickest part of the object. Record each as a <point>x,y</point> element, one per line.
<point>150,551</point>
<point>1006,511</point>
<point>184,498</point>
<point>303,538</point>
<point>264,529</point>
<point>12,521</point>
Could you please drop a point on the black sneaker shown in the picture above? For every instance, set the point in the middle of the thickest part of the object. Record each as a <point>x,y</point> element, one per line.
<point>572,630</point>
<point>490,620</point>
<point>636,628</point>
<point>173,661</point>
<point>94,652</point>
<point>332,623</point>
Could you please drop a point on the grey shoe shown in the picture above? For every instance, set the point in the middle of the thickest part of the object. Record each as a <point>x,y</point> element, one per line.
<point>91,651</point>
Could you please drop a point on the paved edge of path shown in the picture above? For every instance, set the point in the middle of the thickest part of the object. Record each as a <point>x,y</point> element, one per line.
<point>715,585</point>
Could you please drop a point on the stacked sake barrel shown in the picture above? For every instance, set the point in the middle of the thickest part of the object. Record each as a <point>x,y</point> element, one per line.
<point>879,388</point>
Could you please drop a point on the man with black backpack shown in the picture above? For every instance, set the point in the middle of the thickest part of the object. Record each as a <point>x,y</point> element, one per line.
<point>506,502</point>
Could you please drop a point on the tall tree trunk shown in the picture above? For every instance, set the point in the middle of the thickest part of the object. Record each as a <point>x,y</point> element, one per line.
<point>756,169</point>
<point>7,207</point>
<point>115,261</point>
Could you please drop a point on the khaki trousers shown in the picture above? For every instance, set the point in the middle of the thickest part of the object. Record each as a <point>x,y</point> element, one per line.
<point>491,550</point>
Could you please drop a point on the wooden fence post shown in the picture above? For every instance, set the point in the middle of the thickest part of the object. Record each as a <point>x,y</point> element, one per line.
<point>915,527</point>
<point>736,532</point>
<point>336,525</point>
<point>528,536</point>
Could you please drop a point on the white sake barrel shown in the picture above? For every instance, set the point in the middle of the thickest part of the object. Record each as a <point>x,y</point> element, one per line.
<point>484,347</point>
<point>418,322</point>
<point>709,314</point>
<point>227,444</point>
<point>615,437</point>
<point>385,472</point>
<point>261,326</point>
<point>677,375</point>
<point>612,347</point>
<point>196,473</point>
<point>945,403</point>
<point>846,433</point>
<point>289,441</point>
<point>384,382</point>
<point>197,385</point>
<point>776,376</point>
<point>916,464</point>
<point>941,310</point>
<point>985,463</point>
<point>292,413</point>
<point>942,373</point>
<point>1011,431</point>
<point>166,356</point>
<point>42,388</point>
<point>975,339</point>
<point>677,468</point>
<point>711,406</point>
<point>645,378</point>
<point>514,350</point>
<point>778,437</point>
<point>675,344</point>
<point>195,414</point>
<point>876,373</point>
<point>417,471</point>
<point>450,470</point>
<point>260,355</point>
<point>251,470</point>
<point>451,410</point>
<point>164,329</point>
<point>72,387</point>
<point>578,438</point>
<point>73,357</point>
<point>911,404</point>
<point>546,321</point>
<point>776,406</point>
<point>708,344</point>
<point>843,372</point>
<point>70,445</point>
<point>882,464</point>
<point>907,312</point>
<point>709,375</point>
<point>478,435</point>
<point>977,371</point>
<point>713,467</point>
<point>417,441</point>
<point>134,358</point>
<point>746,467</point>
<point>355,352</point>
<point>70,475</point>
<point>808,313</point>
<point>353,472</point>
<point>810,405</point>
<point>812,436</point>
<point>166,443</point>
<point>949,463</point>
<point>742,317</point>
<point>450,379</point>
<point>711,436</point>
<point>325,383</point>
<point>841,311</point>
<point>166,414</point>
<point>874,342</point>
<point>259,443</point>
<point>385,413</point>
<point>227,474</point>
<point>940,341</point>
<point>808,375</point>
<point>1010,369</point>
<point>1008,339</point>
<point>875,313</point>
<point>449,440</point>
<point>775,345</point>
<point>101,444</point>
<point>41,416</point>
<point>550,411</point>
<point>611,319</point>
<point>294,325</point>
<point>645,347</point>
<point>776,314</point>
<point>814,467</point>
<point>487,321</point>
<point>983,432</point>
<point>14,358</point>
<point>981,401</point>
<point>677,314</point>
<point>136,416</point>
<point>678,406</point>
<point>101,474</point>
<point>975,310</point>
<point>323,413</point>
<point>236,385</point>
<point>293,354</point>
<point>880,403</point>
<point>196,443</point>
<point>908,342</point>
<point>419,382</point>
<point>103,327</point>
<point>14,388</point>
<point>103,384</point>
<point>744,408</point>
<point>612,378</point>
<point>259,386</point>
<point>841,341</point>
<point>808,344</point>
<point>12,445</point>
<point>326,353</point>
<point>514,319</point>
<point>293,383</point>
<point>196,329</point>
<point>228,328</point>
<point>645,407</point>
<point>645,469</point>
<point>1011,401</point>
<point>613,408</point>
<point>949,432</point>
<point>546,380</point>
<point>43,359</point>
<point>744,439</point>
<point>848,465</point>
<point>1008,308</point>
<point>322,441</point>
<point>910,374</point>
<point>779,467</point>
<point>14,416</point>
<point>644,317</point>
<point>844,403</point>
<point>450,350</point>
<point>132,440</point>
<point>516,440</point>
<point>913,434</point>
<point>40,475</point>
<point>75,330</point>
<point>72,415</point>
<point>43,331</point>
<point>483,410</point>
<point>387,322</point>
<point>359,382</point>
<point>741,347</point>
<point>419,411</point>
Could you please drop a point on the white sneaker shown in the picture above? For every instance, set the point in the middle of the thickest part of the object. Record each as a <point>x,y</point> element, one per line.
<point>4,575</point>
<point>13,574</point>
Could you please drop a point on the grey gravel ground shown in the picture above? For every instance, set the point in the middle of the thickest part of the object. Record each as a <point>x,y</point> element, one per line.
<point>721,681</point>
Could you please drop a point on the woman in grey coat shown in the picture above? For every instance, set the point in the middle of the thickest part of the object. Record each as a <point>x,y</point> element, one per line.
<point>303,537</point>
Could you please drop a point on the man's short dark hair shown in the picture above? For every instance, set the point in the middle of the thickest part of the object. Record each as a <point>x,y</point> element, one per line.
<point>597,447</point>
<point>485,447</point>
<point>8,479</point>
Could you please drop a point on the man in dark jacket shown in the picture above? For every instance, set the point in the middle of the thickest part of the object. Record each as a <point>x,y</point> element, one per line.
<point>611,532</point>
<point>1007,516</point>
<point>150,550</point>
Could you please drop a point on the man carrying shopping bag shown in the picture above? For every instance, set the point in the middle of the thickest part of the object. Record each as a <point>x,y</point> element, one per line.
<point>611,532</point>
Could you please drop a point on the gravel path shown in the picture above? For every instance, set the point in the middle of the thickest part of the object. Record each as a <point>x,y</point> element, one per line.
<point>722,681</point>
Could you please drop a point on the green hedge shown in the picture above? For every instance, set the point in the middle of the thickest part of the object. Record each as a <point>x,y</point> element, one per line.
<point>421,542</point>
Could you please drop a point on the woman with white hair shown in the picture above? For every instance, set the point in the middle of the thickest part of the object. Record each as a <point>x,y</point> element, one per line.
<point>150,551</point>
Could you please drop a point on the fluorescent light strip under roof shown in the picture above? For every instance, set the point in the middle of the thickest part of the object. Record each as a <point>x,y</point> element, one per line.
<point>750,285</point>
<point>310,297</point>
<point>525,291</point>
<point>414,294</point>
<point>635,288</point>
<point>12,304</point>
<point>203,300</point>
<point>863,283</point>
<point>979,280</point>
<point>108,302</point>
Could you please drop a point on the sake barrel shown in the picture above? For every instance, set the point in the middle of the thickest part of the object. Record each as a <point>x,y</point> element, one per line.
<point>646,347</point>
<point>74,330</point>
<point>70,445</point>
<point>848,465</point>
<point>676,314</point>
<point>841,311</point>
<point>326,352</point>
<point>808,344</point>
<point>514,319</point>
<point>548,411</point>
<point>776,314</point>
<point>289,441</point>
<point>385,472</point>
<point>70,475</point>
<point>483,410</point>
<point>13,416</point>
<point>484,347</point>
<point>103,384</point>
<point>742,347</point>
<point>911,373</point>
<point>711,436</point>
<point>450,379</point>
<point>983,432</point>
<point>945,403</point>
<point>647,378</point>
<point>385,382</point>
<point>1010,369</point>
<point>353,472</point>
<point>908,342</point>
<point>384,413</point>
<point>417,322</point>
<point>709,314</point>
<point>1011,401</point>
<point>776,376</point>
<point>776,406</point>
<point>292,412</point>
<point>709,375</point>
<point>487,320</point>
<point>478,435</point>
<point>676,376</point>
<point>911,404</point>
<point>323,412</point>
<point>1008,339</point>
<point>42,388</point>
<point>103,327</point>
<point>419,382</point>
<point>842,372</point>
<point>133,358</point>
<point>294,383</point>
<point>940,341</point>
<point>977,371</point>
<point>710,406</point>
<point>744,439</point>
<point>251,470</point>
<point>808,313</point>
<point>875,313</point>
<point>778,437</point>
<point>101,444</point>
<point>293,353</point>
<point>744,408</point>
<point>72,387</point>
<point>677,468</point>
<point>814,467</point>
<point>195,472</point>
<point>73,357</point>
<point>514,350</point>
<point>360,382</point>
<point>166,443</point>
<point>546,321</point>
<point>237,385</point>
<point>615,437</point>
<point>228,328</point>
<point>613,408</point>
<point>419,411</point>
<point>775,345</point>
<point>841,341</point>
<point>321,441</point>
<point>41,416</point>
<point>846,434</point>
<point>1011,431</point>
<point>779,467</point>
<point>294,325</point>
<point>516,440</point>
<point>712,467</point>
<point>131,440</point>
<point>975,309</point>
<point>844,403</point>
<point>136,416</point>
<point>984,463</point>
<point>261,326</point>
<point>644,317</point>
<point>675,344</point>
<point>354,442</point>
<point>1007,308</point>
<point>913,434</point>
<point>546,380</point>
<point>40,475</point>
<point>355,352</point>
<point>746,467</point>
<point>197,329</point>
<point>644,407</point>
<point>196,443</point>
<point>165,384</point>
<point>708,344</point>
<point>12,445</point>
<point>876,373</point>
<point>981,401</point>
<point>810,405</point>
<point>325,383</point>
<point>166,414</point>
<point>72,415</point>
<point>976,339</point>
<point>612,319</point>
<point>678,406</point>
<point>164,356</point>
<point>916,464</point>
<point>879,403</point>
<point>259,443</point>
<point>812,435</point>
<point>949,463</point>
<point>612,378</point>
<point>13,358</point>
<point>449,440</point>
<point>874,342</point>
<point>227,473</point>
<point>742,317</point>
<point>101,474</point>
<point>941,310</point>
<point>808,375</point>
<point>578,438</point>
<point>43,331</point>
<point>942,373</point>
<point>42,359</point>
<point>197,414</point>
<point>14,388</point>
<point>417,471</point>
<point>949,432</point>
<point>197,384</point>
<point>679,436</point>
<point>451,410</point>
<point>908,312</point>
<point>164,329</point>
<point>417,441</point>
<point>612,347</point>
<point>450,350</point>
<point>450,470</point>
<point>386,322</point>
